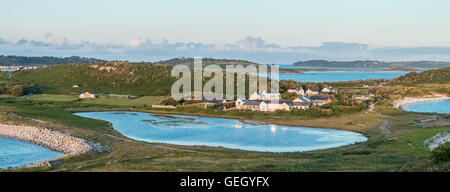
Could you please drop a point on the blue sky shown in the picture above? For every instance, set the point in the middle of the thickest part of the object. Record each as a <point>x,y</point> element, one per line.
<point>263,31</point>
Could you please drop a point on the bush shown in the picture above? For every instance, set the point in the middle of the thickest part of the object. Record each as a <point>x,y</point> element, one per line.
<point>169,101</point>
<point>441,153</point>
<point>17,90</point>
<point>290,96</point>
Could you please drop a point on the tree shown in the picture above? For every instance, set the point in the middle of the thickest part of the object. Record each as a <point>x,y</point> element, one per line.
<point>441,153</point>
<point>290,96</point>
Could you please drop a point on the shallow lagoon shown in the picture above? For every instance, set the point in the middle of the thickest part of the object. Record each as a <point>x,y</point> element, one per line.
<point>15,153</point>
<point>430,107</point>
<point>230,133</point>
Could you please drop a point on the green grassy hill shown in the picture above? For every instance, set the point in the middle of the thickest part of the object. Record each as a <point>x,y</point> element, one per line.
<point>430,76</point>
<point>108,77</point>
<point>119,77</point>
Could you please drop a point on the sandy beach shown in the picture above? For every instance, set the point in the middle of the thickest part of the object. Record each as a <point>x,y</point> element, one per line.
<point>414,100</point>
<point>53,140</point>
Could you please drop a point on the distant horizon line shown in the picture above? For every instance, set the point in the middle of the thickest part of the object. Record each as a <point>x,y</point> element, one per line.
<point>221,58</point>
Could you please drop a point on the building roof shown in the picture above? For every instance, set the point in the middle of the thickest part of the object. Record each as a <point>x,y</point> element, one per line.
<point>279,102</point>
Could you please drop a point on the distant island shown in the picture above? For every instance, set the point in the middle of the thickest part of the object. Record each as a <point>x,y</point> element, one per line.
<point>373,64</point>
<point>205,61</point>
<point>14,61</point>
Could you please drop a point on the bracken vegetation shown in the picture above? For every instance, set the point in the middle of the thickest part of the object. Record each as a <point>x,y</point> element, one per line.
<point>109,77</point>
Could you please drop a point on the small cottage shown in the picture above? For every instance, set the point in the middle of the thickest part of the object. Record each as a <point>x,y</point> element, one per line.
<point>88,95</point>
<point>312,92</point>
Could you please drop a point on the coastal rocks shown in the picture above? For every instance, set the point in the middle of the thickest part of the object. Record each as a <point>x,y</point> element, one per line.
<point>437,140</point>
<point>53,140</point>
<point>100,148</point>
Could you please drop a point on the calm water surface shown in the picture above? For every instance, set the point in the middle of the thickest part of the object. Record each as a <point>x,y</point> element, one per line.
<point>15,153</point>
<point>230,133</point>
<point>431,107</point>
<point>339,76</point>
<point>342,68</point>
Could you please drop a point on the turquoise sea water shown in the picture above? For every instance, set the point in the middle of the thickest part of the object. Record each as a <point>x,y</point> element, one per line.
<point>433,107</point>
<point>230,133</point>
<point>15,153</point>
<point>339,76</point>
<point>341,68</point>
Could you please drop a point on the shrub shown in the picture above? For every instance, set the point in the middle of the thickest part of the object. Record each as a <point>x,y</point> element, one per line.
<point>169,101</point>
<point>290,96</point>
<point>17,90</point>
<point>441,153</point>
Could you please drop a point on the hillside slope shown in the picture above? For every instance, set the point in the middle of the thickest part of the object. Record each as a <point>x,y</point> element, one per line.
<point>108,77</point>
<point>430,76</point>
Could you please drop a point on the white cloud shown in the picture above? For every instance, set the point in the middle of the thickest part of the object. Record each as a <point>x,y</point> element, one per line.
<point>135,42</point>
<point>250,48</point>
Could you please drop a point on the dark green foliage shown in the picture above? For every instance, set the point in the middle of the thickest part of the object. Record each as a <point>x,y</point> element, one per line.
<point>289,96</point>
<point>17,89</point>
<point>442,153</point>
<point>28,61</point>
<point>430,76</point>
<point>169,101</point>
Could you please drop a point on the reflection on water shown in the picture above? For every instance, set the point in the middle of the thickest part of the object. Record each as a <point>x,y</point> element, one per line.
<point>273,129</point>
<point>230,133</point>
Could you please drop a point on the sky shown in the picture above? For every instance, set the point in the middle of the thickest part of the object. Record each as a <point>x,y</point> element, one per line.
<point>265,31</point>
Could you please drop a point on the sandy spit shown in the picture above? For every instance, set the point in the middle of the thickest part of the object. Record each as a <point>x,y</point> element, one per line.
<point>414,100</point>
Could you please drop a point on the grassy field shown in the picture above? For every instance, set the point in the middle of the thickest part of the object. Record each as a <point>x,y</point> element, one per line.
<point>48,97</point>
<point>384,151</point>
<point>138,102</point>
